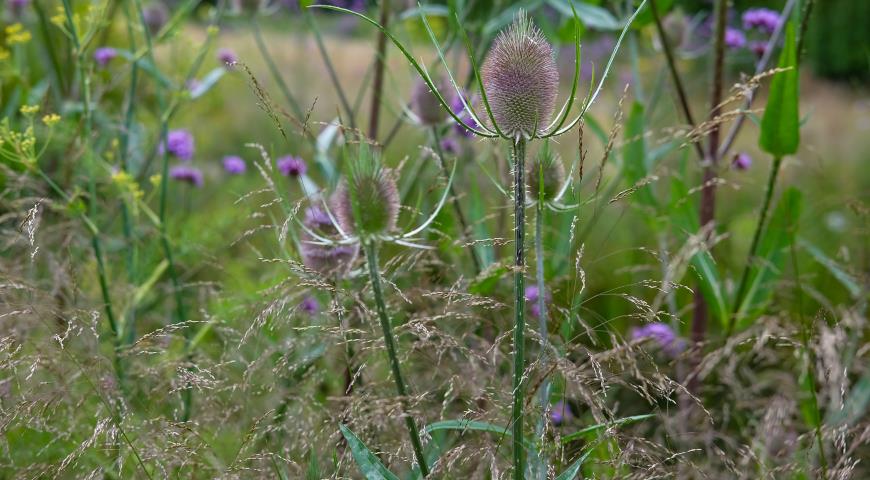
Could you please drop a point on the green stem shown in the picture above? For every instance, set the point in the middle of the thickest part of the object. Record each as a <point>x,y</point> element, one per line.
<point>371,254</point>
<point>519,153</point>
<point>542,321</point>
<point>454,199</point>
<point>756,238</point>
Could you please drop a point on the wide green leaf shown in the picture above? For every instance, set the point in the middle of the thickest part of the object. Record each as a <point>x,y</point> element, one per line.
<point>368,463</point>
<point>592,16</point>
<point>780,125</point>
<point>767,265</point>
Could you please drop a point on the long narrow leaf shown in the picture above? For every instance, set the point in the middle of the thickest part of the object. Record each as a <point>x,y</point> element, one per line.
<point>368,463</point>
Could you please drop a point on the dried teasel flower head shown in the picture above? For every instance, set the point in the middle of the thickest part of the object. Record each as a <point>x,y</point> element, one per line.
<point>425,104</point>
<point>545,174</point>
<point>521,80</point>
<point>367,202</point>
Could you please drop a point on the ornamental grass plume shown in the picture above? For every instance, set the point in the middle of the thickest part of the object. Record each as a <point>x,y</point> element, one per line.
<point>521,80</point>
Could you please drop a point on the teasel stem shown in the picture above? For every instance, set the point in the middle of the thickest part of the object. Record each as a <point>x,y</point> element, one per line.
<point>371,254</point>
<point>519,153</point>
<point>756,238</point>
<point>454,199</point>
<point>542,317</point>
<point>380,65</point>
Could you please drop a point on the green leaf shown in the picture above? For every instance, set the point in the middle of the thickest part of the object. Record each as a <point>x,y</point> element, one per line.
<point>488,279</point>
<point>780,125</point>
<point>368,463</point>
<point>684,216</point>
<point>767,265</point>
<point>209,81</point>
<point>634,154</point>
<point>573,470</point>
<point>833,267</point>
<point>600,426</point>
<point>466,425</point>
<point>592,16</point>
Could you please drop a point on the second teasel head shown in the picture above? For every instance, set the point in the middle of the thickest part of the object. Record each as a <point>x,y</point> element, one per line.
<point>425,104</point>
<point>366,202</point>
<point>521,80</point>
<point>545,175</point>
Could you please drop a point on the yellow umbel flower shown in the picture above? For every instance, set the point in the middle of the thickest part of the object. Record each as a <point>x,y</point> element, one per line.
<point>29,109</point>
<point>16,33</point>
<point>51,119</point>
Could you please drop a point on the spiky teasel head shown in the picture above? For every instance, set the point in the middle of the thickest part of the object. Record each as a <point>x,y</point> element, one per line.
<point>521,80</point>
<point>545,170</point>
<point>425,104</point>
<point>366,203</point>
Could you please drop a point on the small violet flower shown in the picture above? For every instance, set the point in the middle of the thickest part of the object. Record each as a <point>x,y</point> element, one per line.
<point>309,305</point>
<point>188,174</point>
<point>450,145</point>
<point>104,55</point>
<point>459,111</point>
<point>227,57</point>
<point>742,161</point>
<point>234,165</point>
<point>180,144</point>
<point>663,335</point>
<point>291,166</point>
<point>762,18</point>
<point>532,298</point>
<point>734,38</point>
<point>18,6</point>
<point>560,413</point>
<point>758,48</point>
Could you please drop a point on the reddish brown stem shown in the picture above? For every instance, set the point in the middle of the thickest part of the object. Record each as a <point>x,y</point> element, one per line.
<point>380,64</point>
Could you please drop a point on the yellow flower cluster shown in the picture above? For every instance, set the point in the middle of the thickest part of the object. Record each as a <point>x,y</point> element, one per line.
<point>127,183</point>
<point>16,33</point>
<point>51,119</point>
<point>28,110</point>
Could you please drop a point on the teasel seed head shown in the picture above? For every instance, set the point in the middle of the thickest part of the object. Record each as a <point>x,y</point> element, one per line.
<point>425,104</point>
<point>553,174</point>
<point>367,201</point>
<point>521,80</point>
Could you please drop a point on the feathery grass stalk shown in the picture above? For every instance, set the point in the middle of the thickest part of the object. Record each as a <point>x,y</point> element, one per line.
<point>756,238</point>
<point>276,73</point>
<point>380,65</point>
<point>463,223</point>
<point>519,153</point>
<point>371,254</point>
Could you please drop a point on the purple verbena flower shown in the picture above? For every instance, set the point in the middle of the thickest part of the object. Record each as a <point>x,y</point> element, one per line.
<point>329,260</point>
<point>450,145</point>
<point>663,335</point>
<point>234,165</point>
<point>291,166</point>
<point>742,161</point>
<point>104,55</point>
<point>188,174</point>
<point>309,305</point>
<point>17,6</point>
<point>180,144</point>
<point>734,38</point>
<point>532,297</point>
<point>764,19</point>
<point>227,57</point>
<point>560,413</point>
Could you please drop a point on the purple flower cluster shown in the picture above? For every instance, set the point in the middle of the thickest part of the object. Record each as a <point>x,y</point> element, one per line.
<point>763,19</point>
<point>742,161</point>
<point>104,55</point>
<point>234,165</point>
<point>17,6</point>
<point>459,111</point>
<point>227,57</point>
<point>180,145</point>
<point>734,38</point>
<point>663,335</point>
<point>560,413</point>
<point>325,259</point>
<point>187,174</point>
<point>309,305</point>
<point>291,166</point>
<point>532,297</point>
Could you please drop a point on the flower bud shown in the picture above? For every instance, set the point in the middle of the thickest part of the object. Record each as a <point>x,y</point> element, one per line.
<point>367,202</point>
<point>425,104</point>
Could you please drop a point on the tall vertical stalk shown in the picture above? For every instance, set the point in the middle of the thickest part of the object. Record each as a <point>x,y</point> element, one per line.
<point>380,65</point>
<point>756,238</point>
<point>544,393</point>
<point>519,153</point>
<point>463,223</point>
<point>371,254</point>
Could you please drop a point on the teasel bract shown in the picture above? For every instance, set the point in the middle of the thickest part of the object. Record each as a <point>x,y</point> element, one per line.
<point>517,85</point>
